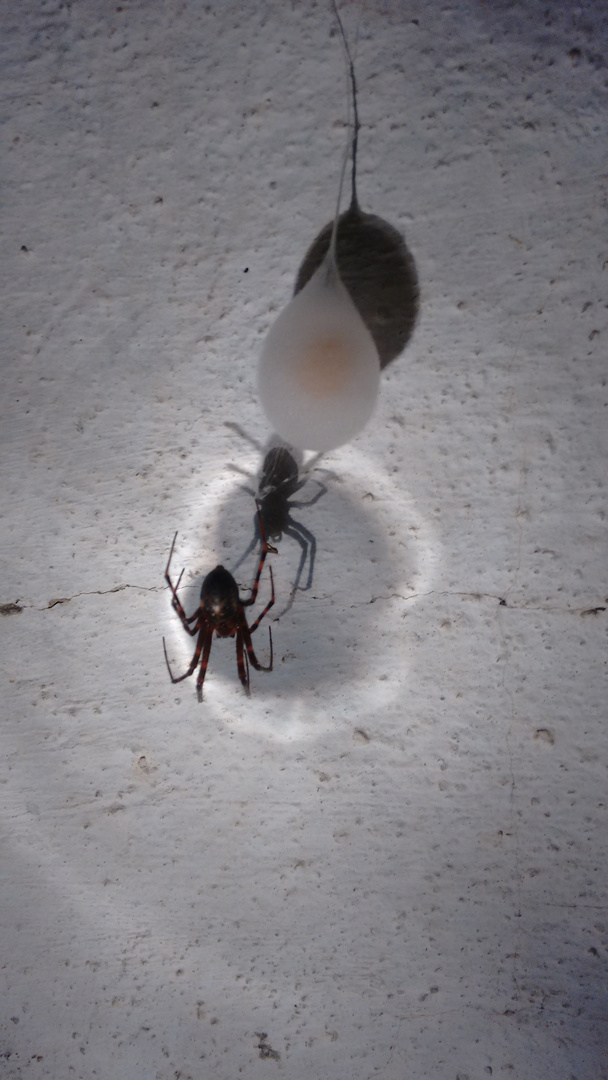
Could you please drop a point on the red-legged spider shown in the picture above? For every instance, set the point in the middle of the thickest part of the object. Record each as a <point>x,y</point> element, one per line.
<point>222,611</point>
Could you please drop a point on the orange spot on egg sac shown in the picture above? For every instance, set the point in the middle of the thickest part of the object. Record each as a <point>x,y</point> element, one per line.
<point>324,367</point>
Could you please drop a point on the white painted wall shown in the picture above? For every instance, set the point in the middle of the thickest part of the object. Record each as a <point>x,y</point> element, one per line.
<point>391,858</point>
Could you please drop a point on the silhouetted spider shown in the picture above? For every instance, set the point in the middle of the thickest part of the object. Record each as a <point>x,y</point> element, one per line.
<point>280,480</point>
<point>222,611</point>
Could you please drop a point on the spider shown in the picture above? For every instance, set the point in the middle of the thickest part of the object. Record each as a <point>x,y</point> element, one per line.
<point>280,480</point>
<point>222,611</point>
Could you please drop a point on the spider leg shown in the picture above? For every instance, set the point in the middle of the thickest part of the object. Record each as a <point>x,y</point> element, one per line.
<point>242,662</point>
<point>186,619</point>
<point>256,536</point>
<point>257,622</point>
<point>266,547</point>
<point>175,602</point>
<point>243,636</point>
<point>203,669</point>
<point>204,639</point>
<point>246,636</point>
<point>169,559</point>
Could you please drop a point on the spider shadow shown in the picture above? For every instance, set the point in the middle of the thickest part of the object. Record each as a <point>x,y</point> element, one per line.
<point>280,478</point>
<point>367,560</point>
<point>289,527</point>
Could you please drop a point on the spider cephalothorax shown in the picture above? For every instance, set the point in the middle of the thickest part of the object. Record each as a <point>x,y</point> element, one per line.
<point>222,611</point>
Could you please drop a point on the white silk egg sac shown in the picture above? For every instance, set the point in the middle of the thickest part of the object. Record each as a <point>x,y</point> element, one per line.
<point>319,371</point>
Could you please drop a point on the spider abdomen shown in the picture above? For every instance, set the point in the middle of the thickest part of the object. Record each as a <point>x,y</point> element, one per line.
<point>220,601</point>
<point>274,509</point>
